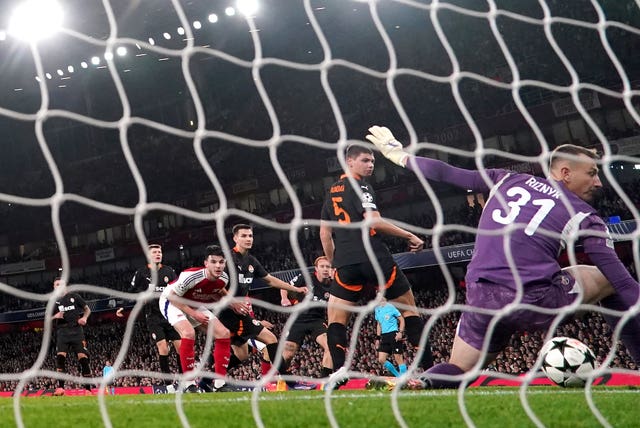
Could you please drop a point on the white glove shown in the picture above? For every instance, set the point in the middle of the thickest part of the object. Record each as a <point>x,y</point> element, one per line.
<point>390,148</point>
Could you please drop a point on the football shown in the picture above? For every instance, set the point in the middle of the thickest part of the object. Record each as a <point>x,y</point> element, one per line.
<point>567,362</point>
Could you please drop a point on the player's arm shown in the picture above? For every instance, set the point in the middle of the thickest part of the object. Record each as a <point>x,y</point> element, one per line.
<point>85,315</point>
<point>274,282</point>
<point>431,169</point>
<point>284,298</point>
<point>600,250</point>
<point>383,226</point>
<point>134,287</point>
<point>326,238</point>
<point>240,308</point>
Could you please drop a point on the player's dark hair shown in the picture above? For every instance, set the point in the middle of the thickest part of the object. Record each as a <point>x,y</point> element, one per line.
<point>213,250</point>
<point>152,246</point>
<point>355,150</point>
<point>571,151</point>
<point>240,226</point>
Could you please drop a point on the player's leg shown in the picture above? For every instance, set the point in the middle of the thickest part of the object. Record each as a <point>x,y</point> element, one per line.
<point>83,360</point>
<point>61,362</point>
<point>267,337</point>
<point>187,344</point>
<point>165,333</point>
<point>398,355</point>
<point>327,363</point>
<point>399,292</point>
<point>290,350</point>
<point>337,340</point>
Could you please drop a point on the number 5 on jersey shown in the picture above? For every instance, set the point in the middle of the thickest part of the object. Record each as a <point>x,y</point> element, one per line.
<point>341,214</point>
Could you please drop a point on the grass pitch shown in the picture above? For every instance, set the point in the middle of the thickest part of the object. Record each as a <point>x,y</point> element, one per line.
<point>486,407</point>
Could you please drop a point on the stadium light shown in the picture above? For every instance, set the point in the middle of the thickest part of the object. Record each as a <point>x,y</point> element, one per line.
<point>197,25</point>
<point>108,56</point>
<point>247,7</point>
<point>95,60</point>
<point>121,51</point>
<point>181,31</point>
<point>230,11</point>
<point>60,72</point>
<point>70,69</point>
<point>84,64</point>
<point>48,76</point>
<point>35,20</point>
<point>166,36</point>
<point>151,41</point>
<point>213,18</point>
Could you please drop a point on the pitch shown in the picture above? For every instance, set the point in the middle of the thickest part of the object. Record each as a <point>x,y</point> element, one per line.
<point>486,407</point>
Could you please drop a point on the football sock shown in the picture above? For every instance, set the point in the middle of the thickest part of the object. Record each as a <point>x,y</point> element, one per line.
<point>325,372</point>
<point>391,368</point>
<point>187,354</point>
<point>442,369</point>
<point>222,356</point>
<point>164,367</point>
<point>337,338</point>
<point>402,369</point>
<point>413,327</point>
<point>61,361</point>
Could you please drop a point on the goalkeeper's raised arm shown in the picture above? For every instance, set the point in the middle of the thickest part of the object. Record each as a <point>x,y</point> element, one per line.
<point>432,169</point>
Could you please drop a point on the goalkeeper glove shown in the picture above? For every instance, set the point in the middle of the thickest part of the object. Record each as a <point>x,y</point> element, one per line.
<point>390,148</point>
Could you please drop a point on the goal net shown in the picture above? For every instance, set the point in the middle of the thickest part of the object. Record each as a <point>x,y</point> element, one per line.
<point>169,121</point>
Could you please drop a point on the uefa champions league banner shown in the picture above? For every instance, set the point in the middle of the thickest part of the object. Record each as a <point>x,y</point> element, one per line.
<point>452,254</point>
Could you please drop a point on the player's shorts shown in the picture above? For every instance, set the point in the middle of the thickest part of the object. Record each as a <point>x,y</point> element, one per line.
<point>71,341</point>
<point>353,282</point>
<point>300,329</point>
<point>473,326</point>
<point>174,315</point>
<point>389,344</point>
<point>242,327</point>
<point>160,329</point>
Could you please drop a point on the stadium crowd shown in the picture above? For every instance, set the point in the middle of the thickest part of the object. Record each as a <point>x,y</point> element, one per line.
<point>20,349</point>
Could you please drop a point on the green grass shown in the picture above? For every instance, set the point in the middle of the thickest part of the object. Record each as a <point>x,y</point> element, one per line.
<point>487,407</point>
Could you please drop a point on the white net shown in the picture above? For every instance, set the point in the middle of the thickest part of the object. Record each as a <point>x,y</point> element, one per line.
<point>170,120</point>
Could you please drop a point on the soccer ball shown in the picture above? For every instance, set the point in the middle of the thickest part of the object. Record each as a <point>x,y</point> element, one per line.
<point>567,362</point>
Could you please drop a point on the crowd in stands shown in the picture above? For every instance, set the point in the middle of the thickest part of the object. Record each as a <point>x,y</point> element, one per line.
<point>106,340</point>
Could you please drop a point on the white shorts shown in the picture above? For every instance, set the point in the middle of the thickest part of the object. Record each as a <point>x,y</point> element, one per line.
<point>175,315</point>
<point>257,344</point>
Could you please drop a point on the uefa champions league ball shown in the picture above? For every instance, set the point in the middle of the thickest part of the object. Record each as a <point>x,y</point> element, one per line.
<point>567,362</point>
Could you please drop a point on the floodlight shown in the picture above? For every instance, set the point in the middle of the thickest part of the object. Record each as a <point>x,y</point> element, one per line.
<point>213,18</point>
<point>34,20</point>
<point>121,51</point>
<point>247,7</point>
<point>230,11</point>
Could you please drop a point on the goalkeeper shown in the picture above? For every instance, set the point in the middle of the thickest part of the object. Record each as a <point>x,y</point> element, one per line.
<point>525,223</point>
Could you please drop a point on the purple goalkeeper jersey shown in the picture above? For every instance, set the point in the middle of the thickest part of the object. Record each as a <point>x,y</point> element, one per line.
<point>531,220</point>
